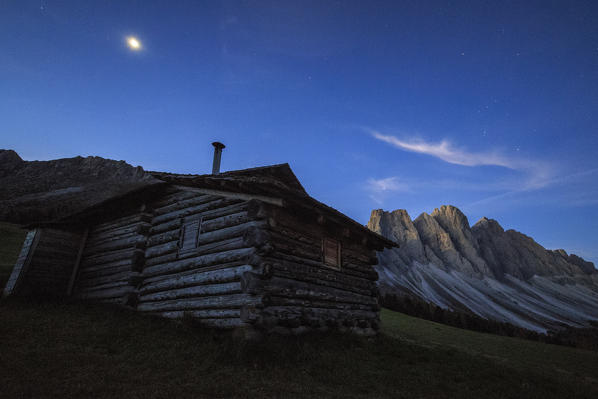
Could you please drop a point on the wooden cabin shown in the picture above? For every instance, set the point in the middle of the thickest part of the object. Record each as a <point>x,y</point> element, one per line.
<point>247,248</point>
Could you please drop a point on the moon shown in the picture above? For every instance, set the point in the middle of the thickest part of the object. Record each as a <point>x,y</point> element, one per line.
<point>133,43</point>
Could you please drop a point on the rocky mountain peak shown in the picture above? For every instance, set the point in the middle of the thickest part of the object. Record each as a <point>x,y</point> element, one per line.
<point>489,225</point>
<point>494,273</point>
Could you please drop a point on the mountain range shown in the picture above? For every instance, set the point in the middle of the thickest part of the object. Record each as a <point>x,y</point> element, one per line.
<point>483,269</point>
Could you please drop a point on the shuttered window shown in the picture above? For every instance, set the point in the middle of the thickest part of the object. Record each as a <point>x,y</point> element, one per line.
<point>331,253</point>
<point>189,235</point>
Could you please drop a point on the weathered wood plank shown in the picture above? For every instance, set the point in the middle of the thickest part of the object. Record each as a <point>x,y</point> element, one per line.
<point>198,262</point>
<point>196,291</point>
<point>221,266</point>
<point>103,287</point>
<point>202,314</point>
<point>118,292</point>
<point>107,257</point>
<point>285,287</point>
<point>135,241</point>
<point>118,276</point>
<point>195,277</point>
<point>192,200</point>
<point>209,302</point>
<point>19,271</point>
<point>122,222</point>
<point>172,198</point>
<point>194,210</point>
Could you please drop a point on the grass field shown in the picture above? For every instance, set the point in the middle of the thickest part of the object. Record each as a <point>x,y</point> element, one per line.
<point>77,350</point>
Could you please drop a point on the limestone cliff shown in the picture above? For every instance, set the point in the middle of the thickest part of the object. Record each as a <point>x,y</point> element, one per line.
<point>504,275</point>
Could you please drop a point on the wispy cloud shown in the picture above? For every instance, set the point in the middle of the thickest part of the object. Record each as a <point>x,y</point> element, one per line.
<point>446,151</point>
<point>379,188</point>
<point>534,174</point>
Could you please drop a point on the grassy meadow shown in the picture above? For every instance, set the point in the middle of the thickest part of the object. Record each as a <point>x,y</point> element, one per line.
<point>60,350</point>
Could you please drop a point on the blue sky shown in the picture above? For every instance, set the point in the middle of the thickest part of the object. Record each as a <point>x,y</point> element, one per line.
<point>488,106</point>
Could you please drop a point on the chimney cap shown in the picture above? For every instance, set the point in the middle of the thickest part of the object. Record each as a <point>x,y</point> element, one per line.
<point>218,145</point>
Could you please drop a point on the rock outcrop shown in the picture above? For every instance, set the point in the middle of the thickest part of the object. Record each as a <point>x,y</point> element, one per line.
<point>504,275</point>
<point>32,191</point>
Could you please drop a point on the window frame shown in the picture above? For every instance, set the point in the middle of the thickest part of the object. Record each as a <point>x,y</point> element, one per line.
<point>182,250</point>
<point>325,260</point>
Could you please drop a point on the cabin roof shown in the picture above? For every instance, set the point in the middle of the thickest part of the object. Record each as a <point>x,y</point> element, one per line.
<point>276,181</point>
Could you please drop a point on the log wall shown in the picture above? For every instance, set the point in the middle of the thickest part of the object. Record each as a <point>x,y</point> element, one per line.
<point>304,293</point>
<point>112,258</point>
<point>203,283</point>
<point>52,262</point>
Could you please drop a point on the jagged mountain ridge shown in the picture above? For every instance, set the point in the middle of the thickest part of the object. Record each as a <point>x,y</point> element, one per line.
<point>33,191</point>
<point>497,274</point>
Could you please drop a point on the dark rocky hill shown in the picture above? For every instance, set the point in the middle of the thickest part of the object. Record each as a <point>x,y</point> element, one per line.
<point>47,190</point>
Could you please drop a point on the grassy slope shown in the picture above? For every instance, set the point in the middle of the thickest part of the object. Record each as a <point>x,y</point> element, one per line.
<point>77,350</point>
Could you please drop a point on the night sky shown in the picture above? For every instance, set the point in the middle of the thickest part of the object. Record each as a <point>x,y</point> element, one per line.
<point>491,107</point>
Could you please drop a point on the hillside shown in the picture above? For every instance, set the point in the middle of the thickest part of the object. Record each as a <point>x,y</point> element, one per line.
<point>78,350</point>
<point>483,269</point>
<point>54,350</point>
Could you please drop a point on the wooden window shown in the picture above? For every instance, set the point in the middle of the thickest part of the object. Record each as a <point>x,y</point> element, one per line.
<point>189,236</point>
<point>331,253</point>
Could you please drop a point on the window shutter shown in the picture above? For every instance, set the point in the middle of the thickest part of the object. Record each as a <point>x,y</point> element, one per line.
<point>189,235</point>
<point>331,252</point>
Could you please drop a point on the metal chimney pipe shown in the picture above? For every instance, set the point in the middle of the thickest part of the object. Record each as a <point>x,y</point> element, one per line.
<point>218,147</point>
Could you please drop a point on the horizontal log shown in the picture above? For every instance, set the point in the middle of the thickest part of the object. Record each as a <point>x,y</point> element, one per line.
<point>309,313</point>
<point>228,232</point>
<point>289,288</point>
<point>203,240</point>
<point>222,323</point>
<point>131,242</point>
<point>309,242</point>
<point>141,228</point>
<point>111,256</point>
<point>307,303</point>
<point>192,201</point>
<point>172,198</point>
<point>321,276</point>
<point>162,249</point>
<point>118,292</point>
<point>214,203</point>
<point>182,208</point>
<point>196,277</point>
<point>209,302</point>
<point>104,287</point>
<point>164,227</point>
<point>133,261</point>
<point>198,262</point>
<point>202,314</point>
<point>224,221</point>
<point>118,276</point>
<point>122,222</point>
<point>302,265</point>
<point>213,247</point>
<point>158,260</point>
<point>163,238</point>
<point>224,211</point>
<point>193,292</point>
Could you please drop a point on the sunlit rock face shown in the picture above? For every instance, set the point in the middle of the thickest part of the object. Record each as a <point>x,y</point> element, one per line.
<point>34,191</point>
<point>497,274</point>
